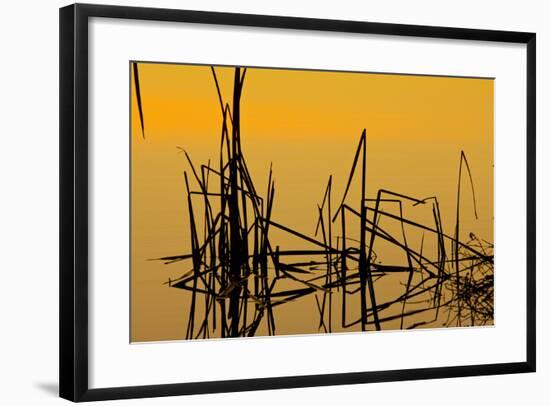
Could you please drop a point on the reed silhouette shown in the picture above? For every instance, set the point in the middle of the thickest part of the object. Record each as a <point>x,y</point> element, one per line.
<point>240,276</point>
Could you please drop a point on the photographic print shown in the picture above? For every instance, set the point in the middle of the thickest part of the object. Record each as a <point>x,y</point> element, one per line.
<point>274,201</point>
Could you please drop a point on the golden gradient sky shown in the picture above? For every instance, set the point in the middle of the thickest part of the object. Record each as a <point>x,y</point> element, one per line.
<point>307,124</point>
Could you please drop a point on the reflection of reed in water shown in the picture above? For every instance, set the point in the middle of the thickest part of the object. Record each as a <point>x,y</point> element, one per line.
<point>240,277</point>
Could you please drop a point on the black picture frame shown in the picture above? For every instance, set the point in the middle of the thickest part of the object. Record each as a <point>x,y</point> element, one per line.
<point>74,169</point>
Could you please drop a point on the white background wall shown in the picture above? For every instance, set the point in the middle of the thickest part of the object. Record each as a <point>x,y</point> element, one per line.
<point>29,202</point>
